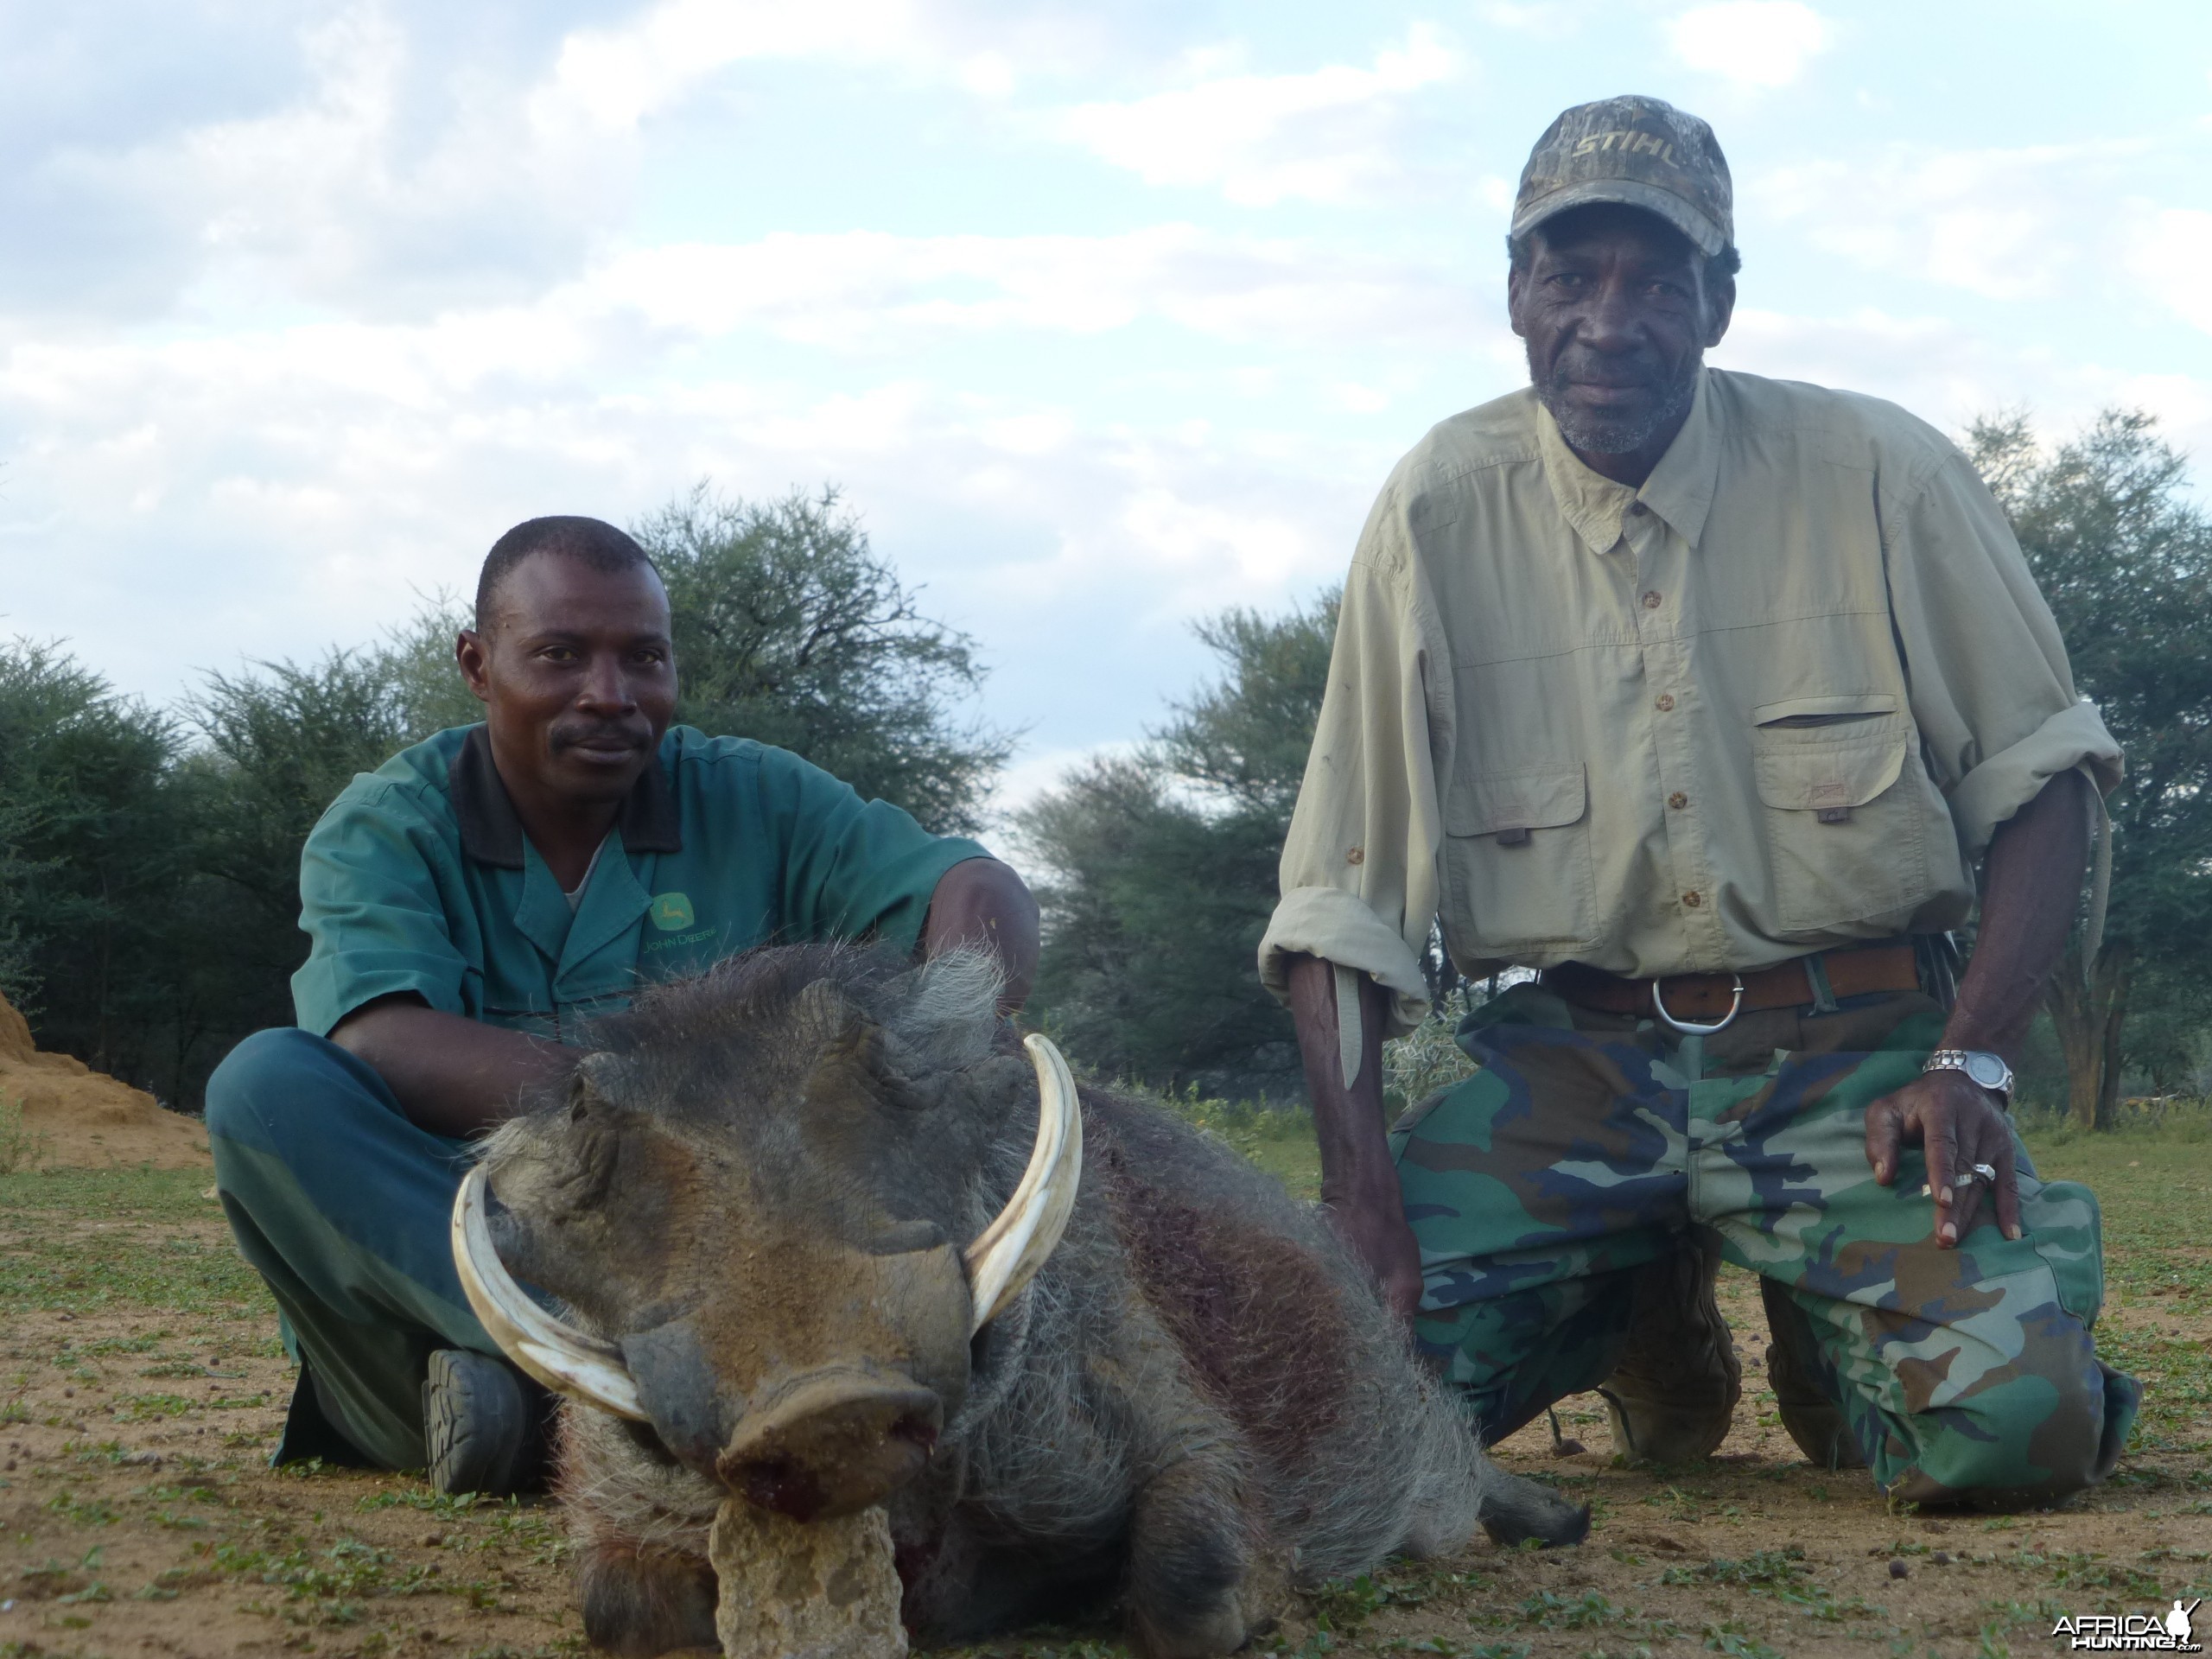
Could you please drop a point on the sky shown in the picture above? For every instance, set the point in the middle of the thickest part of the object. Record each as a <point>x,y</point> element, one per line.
<point>1101,317</point>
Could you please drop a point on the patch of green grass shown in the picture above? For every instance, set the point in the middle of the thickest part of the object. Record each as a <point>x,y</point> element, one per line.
<point>1550,1610</point>
<point>114,1241</point>
<point>1779,1573</point>
<point>327,1586</point>
<point>1732,1639</point>
<point>1345,1607</point>
<point>2153,1176</point>
<point>1280,1139</point>
<point>81,1511</point>
<point>447,1505</point>
<point>21,1148</point>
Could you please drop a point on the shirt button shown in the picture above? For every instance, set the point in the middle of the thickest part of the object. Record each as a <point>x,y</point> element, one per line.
<point>1664,701</point>
<point>1678,800</point>
<point>1651,602</point>
<point>1693,897</point>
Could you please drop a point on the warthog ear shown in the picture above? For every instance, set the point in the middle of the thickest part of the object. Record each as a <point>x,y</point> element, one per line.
<point>599,1080</point>
<point>825,1013</point>
<point>947,1008</point>
<point>852,1050</point>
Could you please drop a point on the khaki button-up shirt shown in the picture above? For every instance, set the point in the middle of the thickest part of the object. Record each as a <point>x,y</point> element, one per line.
<point>1775,701</point>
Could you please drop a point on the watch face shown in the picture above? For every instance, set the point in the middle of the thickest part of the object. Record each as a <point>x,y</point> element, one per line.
<point>1986,1070</point>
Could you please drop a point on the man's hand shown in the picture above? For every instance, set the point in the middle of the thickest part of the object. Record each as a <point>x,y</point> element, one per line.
<point>2032,882</point>
<point>1957,1125</point>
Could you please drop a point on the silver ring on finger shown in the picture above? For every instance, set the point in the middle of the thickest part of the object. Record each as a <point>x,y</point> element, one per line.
<point>1987,1171</point>
<point>1966,1177</point>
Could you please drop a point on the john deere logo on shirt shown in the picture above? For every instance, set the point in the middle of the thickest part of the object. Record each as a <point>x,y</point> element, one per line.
<point>671,911</point>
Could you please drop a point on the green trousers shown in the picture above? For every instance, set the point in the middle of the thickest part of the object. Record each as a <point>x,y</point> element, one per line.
<point>343,1206</point>
<point>1588,1142</point>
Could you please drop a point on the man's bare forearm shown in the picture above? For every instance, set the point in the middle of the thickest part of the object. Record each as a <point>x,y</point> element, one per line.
<point>1347,1120</point>
<point>451,1076</point>
<point>1359,1184</point>
<point>2031,888</point>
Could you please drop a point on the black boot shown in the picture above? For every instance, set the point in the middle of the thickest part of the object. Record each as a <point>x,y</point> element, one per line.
<point>1794,1369</point>
<point>483,1425</point>
<point>1673,1392</point>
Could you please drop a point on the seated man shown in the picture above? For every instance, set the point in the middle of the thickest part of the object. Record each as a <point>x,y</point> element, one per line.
<point>1699,694</point>
<point>470,905</point>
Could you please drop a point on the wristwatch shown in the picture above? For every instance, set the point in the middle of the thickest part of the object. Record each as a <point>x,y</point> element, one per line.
<point>1982,1069</point>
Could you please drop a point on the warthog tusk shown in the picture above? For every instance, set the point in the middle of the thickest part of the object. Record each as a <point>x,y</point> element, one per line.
<point>564,1359</point>
<point>1007,1253</point>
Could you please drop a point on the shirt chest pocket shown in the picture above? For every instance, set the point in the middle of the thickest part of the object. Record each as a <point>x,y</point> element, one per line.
<point>1516,857</point>
<point>1844,827</point>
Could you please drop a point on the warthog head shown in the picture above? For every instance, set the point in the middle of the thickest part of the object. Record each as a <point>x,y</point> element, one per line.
<point>769,1195</point>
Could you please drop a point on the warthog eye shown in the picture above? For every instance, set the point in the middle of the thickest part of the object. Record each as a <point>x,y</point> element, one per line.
<point>905,1237</point>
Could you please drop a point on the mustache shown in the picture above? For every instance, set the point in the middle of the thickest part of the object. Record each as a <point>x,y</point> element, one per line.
<point>1568,369</point>
<point>598,734</point>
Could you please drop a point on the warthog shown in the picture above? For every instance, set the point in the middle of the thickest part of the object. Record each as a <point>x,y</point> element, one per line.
<point>1150,1373</point>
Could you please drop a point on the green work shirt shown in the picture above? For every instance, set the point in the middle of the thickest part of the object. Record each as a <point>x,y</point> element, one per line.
<point>420,880</point>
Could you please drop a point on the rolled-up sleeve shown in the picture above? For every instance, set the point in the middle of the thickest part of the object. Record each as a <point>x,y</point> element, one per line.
<point>373,910</point>
<point>1359,866</point>
<point>1992,691</point>
<point>852,869</point>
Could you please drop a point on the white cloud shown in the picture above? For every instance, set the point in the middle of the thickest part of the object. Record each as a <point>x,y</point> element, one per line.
<point>1752,42</point>
<point>2170,256</point>
<point>367,169</point>
<point>869,291</point>
<point>616,77</point>
<point>1030,775</point>
<point>1323,135</point>
<point>2003,224</point>
<point>1947,374</point>
<point>1546,19</point>
<point>173,503</point>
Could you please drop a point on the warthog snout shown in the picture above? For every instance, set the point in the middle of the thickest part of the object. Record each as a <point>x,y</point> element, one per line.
<point>832,1443</point>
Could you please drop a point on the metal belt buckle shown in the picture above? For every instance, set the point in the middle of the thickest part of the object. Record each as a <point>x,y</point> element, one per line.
<point>1735,1006</point>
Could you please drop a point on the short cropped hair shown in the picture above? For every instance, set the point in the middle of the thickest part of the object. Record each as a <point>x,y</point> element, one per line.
<point>592,542</point>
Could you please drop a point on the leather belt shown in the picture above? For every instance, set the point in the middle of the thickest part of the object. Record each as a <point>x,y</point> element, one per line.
<point>1859,970</point>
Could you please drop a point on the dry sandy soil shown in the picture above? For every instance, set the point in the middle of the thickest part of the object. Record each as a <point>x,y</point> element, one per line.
<point>57,1112</point>
<point>141,1387</point>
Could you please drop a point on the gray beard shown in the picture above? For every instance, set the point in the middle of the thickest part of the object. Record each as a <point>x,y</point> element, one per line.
<point>1618,435</point>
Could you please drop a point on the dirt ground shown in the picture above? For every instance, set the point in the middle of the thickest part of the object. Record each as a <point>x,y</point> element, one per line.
<point>141,1387</point>
<point>57,1112</point>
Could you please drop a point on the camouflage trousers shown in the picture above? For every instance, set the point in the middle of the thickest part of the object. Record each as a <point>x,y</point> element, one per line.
<point>1588,1143</point>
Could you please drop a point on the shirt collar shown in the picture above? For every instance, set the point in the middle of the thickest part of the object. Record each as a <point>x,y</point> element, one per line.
<point>490,830</point>
<point>1680,489</point>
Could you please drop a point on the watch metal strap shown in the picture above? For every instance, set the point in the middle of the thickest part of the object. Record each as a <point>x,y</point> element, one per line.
<point>1960,1060</point>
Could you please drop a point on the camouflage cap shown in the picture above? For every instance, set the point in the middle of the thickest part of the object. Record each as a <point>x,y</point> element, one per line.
<point>1641,152</point>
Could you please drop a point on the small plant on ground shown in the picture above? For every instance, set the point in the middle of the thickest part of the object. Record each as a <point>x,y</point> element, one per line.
<point>21,1148</point>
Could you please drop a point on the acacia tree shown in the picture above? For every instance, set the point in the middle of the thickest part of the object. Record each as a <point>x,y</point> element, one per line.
<point>149,862</point>
<point>1160,869</point>
<point>791,629</point>
<point>2125,559</point>
<point>89,859</point>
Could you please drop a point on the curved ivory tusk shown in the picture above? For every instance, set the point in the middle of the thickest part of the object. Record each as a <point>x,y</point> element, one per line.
<point>1007,1253</point>
<point>564,1359</point>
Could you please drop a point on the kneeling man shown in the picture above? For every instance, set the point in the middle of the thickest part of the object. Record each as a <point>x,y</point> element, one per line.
<point>1701,694</point>
<point>470,904</point>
